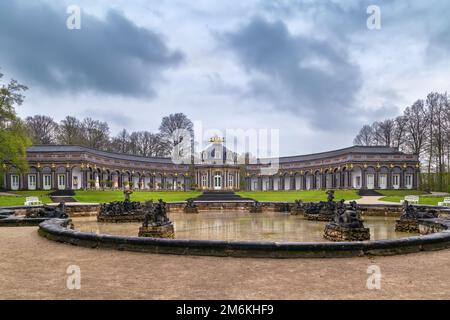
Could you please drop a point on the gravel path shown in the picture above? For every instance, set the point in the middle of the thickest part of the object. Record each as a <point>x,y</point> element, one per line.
<point>35,268</point>
<point>372,200</point>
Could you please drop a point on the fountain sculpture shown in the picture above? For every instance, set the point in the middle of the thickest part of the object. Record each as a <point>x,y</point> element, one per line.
<point>347,224</point>
<point>123,211</point>
<point>46,211</point>
<point>322,211</point>
<point>156,223</point>
<point>190,207</point>
<point>409,220</point>
<point>255,207</point>
<point>298,208</point>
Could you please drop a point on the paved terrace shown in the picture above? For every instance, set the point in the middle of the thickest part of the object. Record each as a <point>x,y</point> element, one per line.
<point>35,268</point>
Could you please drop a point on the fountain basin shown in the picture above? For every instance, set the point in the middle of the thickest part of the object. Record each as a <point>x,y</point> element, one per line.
<point>56,230</point>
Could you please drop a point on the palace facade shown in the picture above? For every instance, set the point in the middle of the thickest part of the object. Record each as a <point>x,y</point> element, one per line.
<point>65,167</point>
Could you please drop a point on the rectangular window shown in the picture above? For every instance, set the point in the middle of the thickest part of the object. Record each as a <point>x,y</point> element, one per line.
<point>230,180</point>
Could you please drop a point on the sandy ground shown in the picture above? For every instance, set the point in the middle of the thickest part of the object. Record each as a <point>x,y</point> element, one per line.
<point>35,268</point>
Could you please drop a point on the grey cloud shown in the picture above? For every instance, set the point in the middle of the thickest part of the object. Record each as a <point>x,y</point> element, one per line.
<point>119,119</point>
<point>306,76</point>
<point>110,55</point>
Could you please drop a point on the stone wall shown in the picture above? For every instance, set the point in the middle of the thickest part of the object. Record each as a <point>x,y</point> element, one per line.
<point>394,210</point>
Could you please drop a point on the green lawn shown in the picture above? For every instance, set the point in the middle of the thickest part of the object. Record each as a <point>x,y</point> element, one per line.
<point>109,196</point>
<point>18,197</point>
<point>305,195</point>
<point>175,196</point>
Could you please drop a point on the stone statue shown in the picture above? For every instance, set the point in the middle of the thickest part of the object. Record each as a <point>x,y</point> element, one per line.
<point>157,216</point>
<point>347,224</point>
<point>156,223</point>
<point>322,211</point>
<point>330,195</point>
<point>298,204</point>
<point>127,194</point>
<point>190,207</point>
<point>413,213</point>
<point>58,212</point>
<point>409,220</point>
<point>255,207</point>
<point>348,217</point>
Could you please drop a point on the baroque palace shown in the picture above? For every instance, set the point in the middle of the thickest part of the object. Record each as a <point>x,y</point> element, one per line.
<point>65,167</point>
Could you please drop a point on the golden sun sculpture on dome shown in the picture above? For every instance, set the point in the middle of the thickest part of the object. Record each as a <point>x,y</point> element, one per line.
<point>217,139</point>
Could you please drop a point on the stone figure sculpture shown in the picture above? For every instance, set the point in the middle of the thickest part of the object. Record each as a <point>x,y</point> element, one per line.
<point>46,211</point>
<point>190,207</point>
<point>156,215</point>
<point>348,217</point>
<point>347,224</point>
<point>409,220</point>
<point>156,223</point>
<point>255,207</point>
<point>412,212</point>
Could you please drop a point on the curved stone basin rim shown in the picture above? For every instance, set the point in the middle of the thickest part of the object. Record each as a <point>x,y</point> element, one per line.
<point>56,230</point>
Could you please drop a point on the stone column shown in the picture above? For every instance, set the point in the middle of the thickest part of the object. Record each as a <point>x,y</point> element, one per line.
<point>54,182</point>
<point>38,180</point>
<point>363,179</point>
<point>349,179</point>
<point>68,179</point>
<point>402,179</point>
<point>389,179</point>
<point>416,180</point>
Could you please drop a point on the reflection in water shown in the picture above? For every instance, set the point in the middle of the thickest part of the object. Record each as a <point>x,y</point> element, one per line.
<point>239,225</point>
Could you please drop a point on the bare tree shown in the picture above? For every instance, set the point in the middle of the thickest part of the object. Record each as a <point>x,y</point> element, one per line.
<point>42,129</point>
<point>70,131</point>
<point>120,143</point>
<point>171,125</point>
<point>96,134</point>
<point>384,132</point>
<point>417,120</point>
<point>365,136</point>
<point>399,134</point>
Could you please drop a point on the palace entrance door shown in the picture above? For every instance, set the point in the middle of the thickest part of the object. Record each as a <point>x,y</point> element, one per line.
<point>370,181</point>
<point>217,182</point>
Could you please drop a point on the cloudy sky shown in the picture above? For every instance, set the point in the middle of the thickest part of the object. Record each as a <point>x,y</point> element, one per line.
<point>311,69</point>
